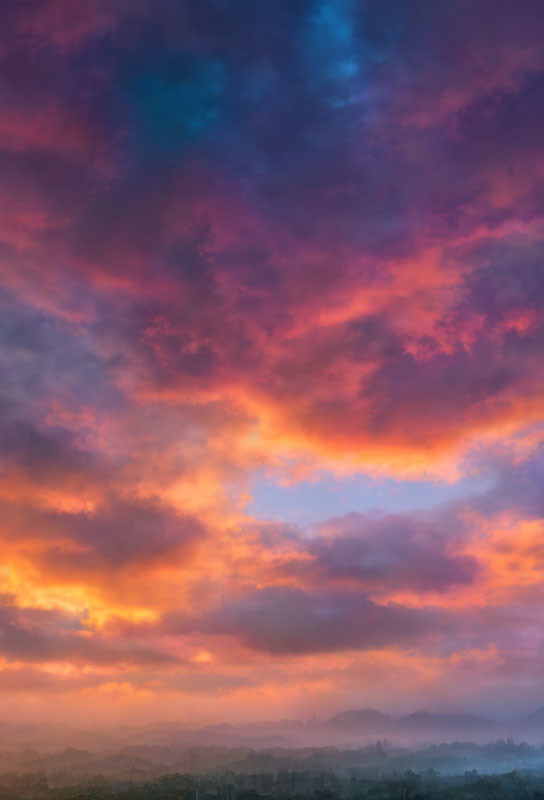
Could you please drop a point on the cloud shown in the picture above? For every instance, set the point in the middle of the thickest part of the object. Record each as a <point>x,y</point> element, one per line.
<point>38,635</point>
<point>119,535</point>
<point>125,533</point>
<point>286,620</point>
<point>415,551</point>
<point>305,237</point>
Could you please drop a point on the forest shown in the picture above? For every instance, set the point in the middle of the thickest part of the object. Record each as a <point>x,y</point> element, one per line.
<point>285,785</point>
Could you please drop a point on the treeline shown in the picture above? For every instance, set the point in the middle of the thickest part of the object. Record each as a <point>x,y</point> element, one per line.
<point>424,785</point>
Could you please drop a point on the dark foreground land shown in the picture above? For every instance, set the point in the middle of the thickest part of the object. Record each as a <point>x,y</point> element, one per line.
<point>426,785</point>
<point>380,771</point>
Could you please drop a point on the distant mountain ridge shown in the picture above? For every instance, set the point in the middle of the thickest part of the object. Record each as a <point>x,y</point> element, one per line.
<point>423,719</point>
<point>359,718</point>
<point>424,723</point>
<point>162,742</point>
<point>370,719</point>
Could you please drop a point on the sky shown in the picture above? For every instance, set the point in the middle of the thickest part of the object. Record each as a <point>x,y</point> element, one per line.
<point>271,358</point>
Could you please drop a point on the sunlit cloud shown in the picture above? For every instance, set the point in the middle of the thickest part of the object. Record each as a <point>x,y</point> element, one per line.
<point>244,263</point>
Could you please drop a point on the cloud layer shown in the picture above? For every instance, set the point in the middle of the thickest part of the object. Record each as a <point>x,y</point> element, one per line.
<point>291,239</point>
